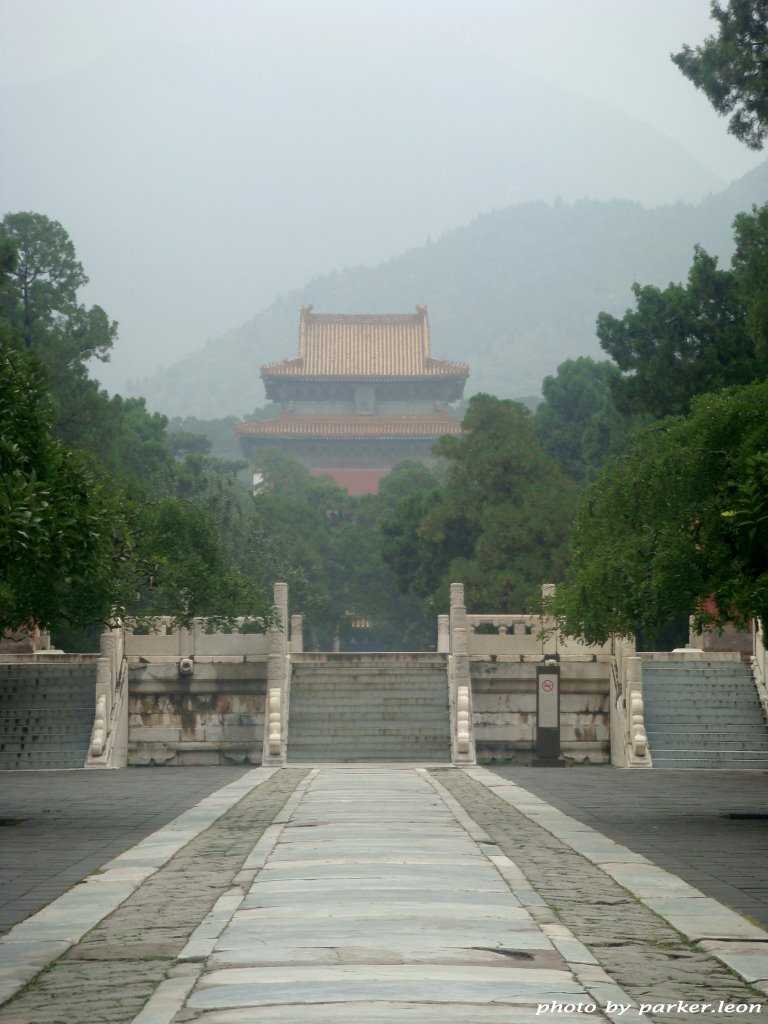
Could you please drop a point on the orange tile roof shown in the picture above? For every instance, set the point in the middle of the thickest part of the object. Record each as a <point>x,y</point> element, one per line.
<point>372,345</point>
<point>354,427</point>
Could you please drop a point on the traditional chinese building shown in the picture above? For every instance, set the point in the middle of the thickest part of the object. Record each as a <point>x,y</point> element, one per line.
<point>364,393</point>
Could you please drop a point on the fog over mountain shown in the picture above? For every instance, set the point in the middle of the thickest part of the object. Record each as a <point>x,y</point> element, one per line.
<point>208,158</point>
<point>515,293</point>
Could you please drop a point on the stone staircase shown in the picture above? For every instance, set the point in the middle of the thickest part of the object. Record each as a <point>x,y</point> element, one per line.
<point>369,707</point>
<point>703,714</point>
<point>46,714</point>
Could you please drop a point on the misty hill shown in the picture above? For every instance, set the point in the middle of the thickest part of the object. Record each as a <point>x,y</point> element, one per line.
<point>198,182</point>
<point>514,294</point>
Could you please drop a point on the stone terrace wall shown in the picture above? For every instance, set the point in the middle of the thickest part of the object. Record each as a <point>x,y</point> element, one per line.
<point>213,716</point>
<point>504,708</point>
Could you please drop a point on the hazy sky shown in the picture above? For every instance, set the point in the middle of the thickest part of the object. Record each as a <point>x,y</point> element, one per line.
<point>193,200</point>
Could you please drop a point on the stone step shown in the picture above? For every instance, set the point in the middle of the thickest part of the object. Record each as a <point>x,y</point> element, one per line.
<point>46,728</point>
<point>697,665</point>
<point>694,751</point>
<point>321,757</point>
<point>701,693</point>
<point>42,761</point>
<point>715,729</point>
<point>366,739</point>
<point>369,679</point>
<point>45,747</point>
<point>711,761</point>
<point>673,701</point>
<point>356,702</point>
<point>33,701</point>
<point>686,742</point>
<point>333,686</point>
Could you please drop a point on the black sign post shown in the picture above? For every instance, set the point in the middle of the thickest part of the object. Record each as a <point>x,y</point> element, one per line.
<point>548,716</point>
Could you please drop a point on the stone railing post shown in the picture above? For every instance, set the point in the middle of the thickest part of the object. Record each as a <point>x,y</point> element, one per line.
<point>460,681</point>
<point>104,684</point>
<point>443,634</point>
<point>274,724</point>
<point>297,634</point>
<point>634,707</point>
<point>276,704</point>
<point>548,622</point>
<point>281,606</point>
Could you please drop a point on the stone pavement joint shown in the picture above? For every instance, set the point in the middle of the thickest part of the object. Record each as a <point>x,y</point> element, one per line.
<point>649,959</point>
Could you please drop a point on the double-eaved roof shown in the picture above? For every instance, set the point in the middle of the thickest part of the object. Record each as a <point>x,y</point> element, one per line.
<point>352,428</point>
<point>369,346</point>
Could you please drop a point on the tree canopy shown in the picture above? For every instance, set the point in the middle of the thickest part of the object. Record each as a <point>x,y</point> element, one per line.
<point>731,68</point>
<point>40,294</point>
<point>578,423</point>
<point>690,339</point>
<point>96,517</point>
<point>681,517</point>
<point>499,523</point>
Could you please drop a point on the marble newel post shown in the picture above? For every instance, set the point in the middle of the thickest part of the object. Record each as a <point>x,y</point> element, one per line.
<point>462,733</point>
<point>275,712</point>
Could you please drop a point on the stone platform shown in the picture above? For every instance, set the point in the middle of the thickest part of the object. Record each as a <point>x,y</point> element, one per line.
<point>380,894</point>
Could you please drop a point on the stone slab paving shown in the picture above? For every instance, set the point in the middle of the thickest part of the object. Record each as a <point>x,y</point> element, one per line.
<point>432,924</point>
<point>57,827</point>
<point>679,820</point>
<point>121,931</point>
<point>380,894</point>
<point>642,924</point>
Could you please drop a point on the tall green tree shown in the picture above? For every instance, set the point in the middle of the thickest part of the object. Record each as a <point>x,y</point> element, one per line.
<point>500,522</point>
<point>40,295</point>
<point>679,518</point>
<point>731,68</point>
<point>693,338</point>
<point>578,423</point>
<point>679,341</point>
<point>59,528</point>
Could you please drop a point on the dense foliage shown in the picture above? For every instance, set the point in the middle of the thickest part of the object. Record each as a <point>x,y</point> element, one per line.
<point>91,521</point>
<point>327,546</point>
<point>499,523</point>
<point>682,516</point>
<point>578,423</point>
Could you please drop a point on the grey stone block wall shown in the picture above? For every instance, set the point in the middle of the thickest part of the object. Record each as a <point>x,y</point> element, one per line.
<point>214,716</point>
<point>504,706</point>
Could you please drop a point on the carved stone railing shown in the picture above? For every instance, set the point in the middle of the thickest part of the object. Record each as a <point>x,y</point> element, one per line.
<point>108,746</point>
<point>163,639</point>
<point>460,682</point>
<point>524,635</point>
<point>759,667</point>
<point>629,708</point>
<point>528,639</point>
<point>278,683</point>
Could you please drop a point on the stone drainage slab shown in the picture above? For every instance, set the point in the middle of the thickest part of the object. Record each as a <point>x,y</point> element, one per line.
<point>376,901</point>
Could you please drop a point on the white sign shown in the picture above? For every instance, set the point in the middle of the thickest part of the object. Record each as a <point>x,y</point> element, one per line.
<point>548,717</point>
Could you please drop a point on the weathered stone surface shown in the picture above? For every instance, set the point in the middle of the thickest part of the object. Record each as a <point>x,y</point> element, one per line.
<point>109,975</point>
<point>639,951</point>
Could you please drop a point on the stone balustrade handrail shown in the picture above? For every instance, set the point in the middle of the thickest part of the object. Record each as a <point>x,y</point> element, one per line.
<point>518,624</point>
<point>108,746</point>
<point>759,667</point>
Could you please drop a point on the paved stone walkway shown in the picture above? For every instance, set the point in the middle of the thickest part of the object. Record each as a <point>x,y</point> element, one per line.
<point>57,827</point>
<point>708,827</point>
<point>380,894</point>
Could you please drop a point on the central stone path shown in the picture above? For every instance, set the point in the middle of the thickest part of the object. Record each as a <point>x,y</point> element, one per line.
<point>374,898</point>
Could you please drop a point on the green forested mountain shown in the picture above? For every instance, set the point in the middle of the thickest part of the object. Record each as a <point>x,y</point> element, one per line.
<point>514,294</point>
